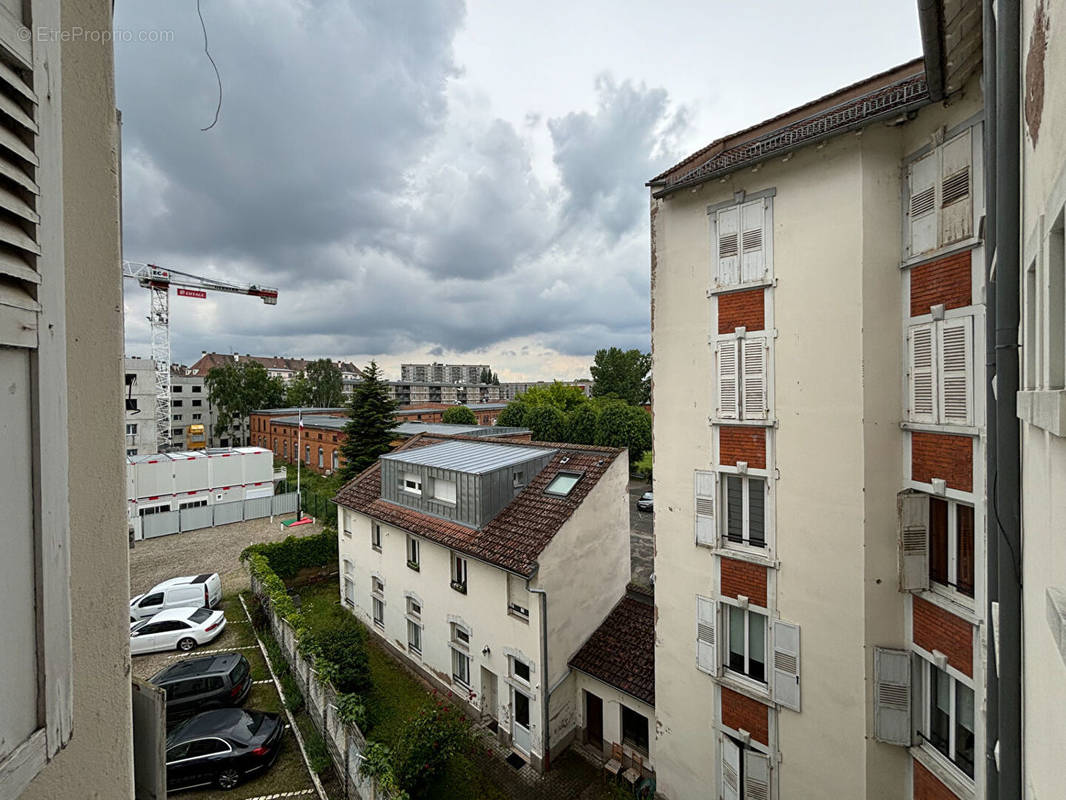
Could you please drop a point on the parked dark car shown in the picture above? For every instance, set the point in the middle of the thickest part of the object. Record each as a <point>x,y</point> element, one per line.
<point>222,747</point>
<point>646,502</point>
<point>199,684</point>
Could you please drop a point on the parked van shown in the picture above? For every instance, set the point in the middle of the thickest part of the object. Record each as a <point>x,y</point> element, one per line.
<point>199,591</point>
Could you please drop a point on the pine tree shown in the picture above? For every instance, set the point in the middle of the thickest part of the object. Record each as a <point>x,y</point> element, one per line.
<point>368,433</point>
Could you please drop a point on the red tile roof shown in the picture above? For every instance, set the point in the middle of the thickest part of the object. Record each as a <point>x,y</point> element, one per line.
<point>515,537</point>
<point>209,360</point>
<point>621,652</point>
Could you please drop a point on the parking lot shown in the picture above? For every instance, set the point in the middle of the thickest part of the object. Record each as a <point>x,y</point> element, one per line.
<point>218,550</point>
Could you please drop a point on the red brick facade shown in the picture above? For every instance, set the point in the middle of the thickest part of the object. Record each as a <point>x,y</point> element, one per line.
<point>927,787</point>
<point>434,412</point>
<point>939,455</point>
<point>742,443</point>
<point>282,439</point>
<point>742,578</point>
<point>944,281</point>
<point>937,629</point>
<point>743,713</point>
<point>741,310</point>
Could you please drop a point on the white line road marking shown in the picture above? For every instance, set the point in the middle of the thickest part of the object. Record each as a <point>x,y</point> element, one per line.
<point>211,652</point>
<point>266,680</point>
<point>300,793</point>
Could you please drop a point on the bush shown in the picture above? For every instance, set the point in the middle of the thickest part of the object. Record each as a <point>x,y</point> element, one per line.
<point>258,614</point>
<point>340,657</point>
<point>288,557</point>
<point>351,709</point>
<point>427,743</point>
<point>317,754</point>
<point>458,415</point>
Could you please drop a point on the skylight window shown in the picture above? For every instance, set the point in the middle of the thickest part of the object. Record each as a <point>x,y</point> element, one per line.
<point>562,484</point>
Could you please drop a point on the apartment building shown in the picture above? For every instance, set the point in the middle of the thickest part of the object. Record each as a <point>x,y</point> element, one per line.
<point>442,373</point>
<point>65,701</point>
<point>276,366</point>
<point>139,401</point>
<point>484,413</point>
<point>461,556</point>
<point>820,546</point>
<point>420,393</point>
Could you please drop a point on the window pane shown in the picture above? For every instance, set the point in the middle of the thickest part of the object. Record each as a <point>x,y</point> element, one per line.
<point>734,489</point>
<point>757,646</point>
<point>736,639</point>
<point>939,708</point>
<point>964,537</point>
<point>964,728</point>
<point>938,540</point>
<point>756,513</point>
<point>634,729</point>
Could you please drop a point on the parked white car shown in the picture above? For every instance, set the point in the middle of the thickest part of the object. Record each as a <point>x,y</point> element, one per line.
<point>176,629</point>
<point>199,591</point>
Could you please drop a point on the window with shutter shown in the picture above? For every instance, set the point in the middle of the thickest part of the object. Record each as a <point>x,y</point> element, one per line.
<point>706,636</point>
<point>892,696</point>
<point>756,775</point>
<point>728,380</point>
<point>922,179</point>
<point>787,665</point>
<point>913,508</point>
<point>955,347</point>
<point>727,227</point>
<point>742,243</point>
<point>754,371</point>
<point>753,222</point>
<point>704,488</point>
<point>956,206</point>
<point>940,195</point>
<point>922,353</point>
<point>730,753</point>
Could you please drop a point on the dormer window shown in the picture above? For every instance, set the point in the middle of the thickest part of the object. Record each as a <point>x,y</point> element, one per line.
<point>412,483</point>
<point>562,484</point>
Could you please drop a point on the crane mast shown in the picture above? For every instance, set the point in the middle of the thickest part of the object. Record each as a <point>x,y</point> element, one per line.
<point>158,281</point>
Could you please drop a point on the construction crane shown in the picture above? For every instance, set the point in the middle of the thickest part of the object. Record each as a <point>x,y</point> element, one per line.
<point>158,280</point>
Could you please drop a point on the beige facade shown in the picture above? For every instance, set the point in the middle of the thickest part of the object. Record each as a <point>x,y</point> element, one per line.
<point>1042,401</point>
<point>827,445</point>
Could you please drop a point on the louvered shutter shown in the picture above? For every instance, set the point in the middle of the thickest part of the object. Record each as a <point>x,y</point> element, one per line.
<point>706,635</point>
<point>955,348</point>
<point>730,753</point>
<point>921,352</point>
<point>756,775</point>
<point>956,194</point>
<point>753,390</point>
<point>892,696</point>
<point>922,182</point>
<point>913,512</point>
<point>727,228</point>
<point>704,487</point>
<point>787,664</point>
<point>752,233</point>
<point>728,378</point>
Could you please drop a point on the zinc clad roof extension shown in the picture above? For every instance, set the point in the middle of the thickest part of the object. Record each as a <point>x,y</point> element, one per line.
<point>472,457</point>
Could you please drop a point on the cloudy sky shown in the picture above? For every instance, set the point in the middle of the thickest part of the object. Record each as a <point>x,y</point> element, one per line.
<point>449,181</point>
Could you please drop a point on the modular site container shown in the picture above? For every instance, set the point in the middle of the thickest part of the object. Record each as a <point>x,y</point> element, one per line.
<point>190,479</point>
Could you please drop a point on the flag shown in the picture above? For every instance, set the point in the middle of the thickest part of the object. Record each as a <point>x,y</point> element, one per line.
<point>301,419</point>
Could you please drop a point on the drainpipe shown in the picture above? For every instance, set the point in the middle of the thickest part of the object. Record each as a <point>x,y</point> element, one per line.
<point>988,23</point>
<point>544,693</point>
<point>929,23</point>
<point>1006,503</point>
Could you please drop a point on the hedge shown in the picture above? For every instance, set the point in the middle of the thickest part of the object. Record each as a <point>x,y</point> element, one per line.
<point>286,558</point>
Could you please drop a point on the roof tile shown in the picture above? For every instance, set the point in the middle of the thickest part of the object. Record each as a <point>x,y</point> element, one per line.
<point>621,652</point>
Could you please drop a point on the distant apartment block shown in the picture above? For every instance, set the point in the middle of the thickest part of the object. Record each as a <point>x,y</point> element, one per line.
<point>420,393</point>
<point>442,373</point>
<point>276,366</point>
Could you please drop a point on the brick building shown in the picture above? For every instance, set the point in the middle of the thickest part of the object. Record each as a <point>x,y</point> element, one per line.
<point>485,413</point>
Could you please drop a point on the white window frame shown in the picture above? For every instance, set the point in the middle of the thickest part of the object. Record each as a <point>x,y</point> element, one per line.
<point>952,319</point>
<point>377,600</point>
<point>346,519</point>
<point>414,552</point>
<point>751,357</point>
<point>375,535</point>
<point>45,336</point>
<point>460,651</point>
<point>412,647</point>
<point>460,571</point>
<point>950,589</point>
<point>348,582</point>
<point>451,498</point>
<point>724,606</point>
<point>741,203</point>
<point>725,474</point>
<point>925,666</point>
<point>514,660</point>
<point>411,483</point>
<point>460,658</point>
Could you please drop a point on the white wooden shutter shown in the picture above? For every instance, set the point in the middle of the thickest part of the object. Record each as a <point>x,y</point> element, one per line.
<point>921,357</point>
<point>787,664</point>
<point>752,246</point>
<point>913,512</point>
<point>727,228</point>
<point>704,487</point>
<point>728,378</point>
<point>956,195</point>
<point>892,696</point>
<point>753,391</point>
<point>955,348</point>
<point>706,635</point>
<point>756,775</point>
<point>730,753</point>
<point>922,183</point>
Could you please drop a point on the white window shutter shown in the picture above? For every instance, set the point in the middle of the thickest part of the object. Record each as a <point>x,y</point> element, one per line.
<point>756,775</point>
<point>955,347</point>
<point>706,635</point>
<point>921,358</point>
<point>752,246</point>
<point>728,379</point>
<point>730,753</point>
<point>787,664</point>
<point>922,223</point>
<point>913,511</point>
<point>727,244</point>
<point>892,696</point>
<point>704,486</point>
<point>753,391</point>
<point>956,194</point>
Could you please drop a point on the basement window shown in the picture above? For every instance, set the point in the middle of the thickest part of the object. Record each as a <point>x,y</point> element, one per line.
<point>562,484</point>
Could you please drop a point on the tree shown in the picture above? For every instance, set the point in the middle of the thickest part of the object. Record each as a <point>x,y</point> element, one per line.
<point>623,374</point>
<point>560,395</point>
<point>458,415</point>
<point>581,424</point>
<point>513,416</point>
<point>327,385</point>
<point>238,389</point>
<point>485,376</point>
<point>547,423</point>
<point>298,392</point>
<point>495,379</point>
<point>622,425</point>
<point>368,433</point>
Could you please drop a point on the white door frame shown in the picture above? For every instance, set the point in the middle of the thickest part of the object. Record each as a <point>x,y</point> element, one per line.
<point>520,733</point>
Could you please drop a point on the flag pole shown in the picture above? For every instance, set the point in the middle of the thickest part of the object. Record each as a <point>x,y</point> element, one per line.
<point>299,455</point>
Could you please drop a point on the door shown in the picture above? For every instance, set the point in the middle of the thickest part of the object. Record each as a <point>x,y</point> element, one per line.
<point>148,606</point>
<point>143,639</point>
<point>594,720</point>
<point>521,737</point>
<point>489,697</point>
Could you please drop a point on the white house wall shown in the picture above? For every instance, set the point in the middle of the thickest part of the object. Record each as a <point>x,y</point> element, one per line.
<point>613,700</point>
